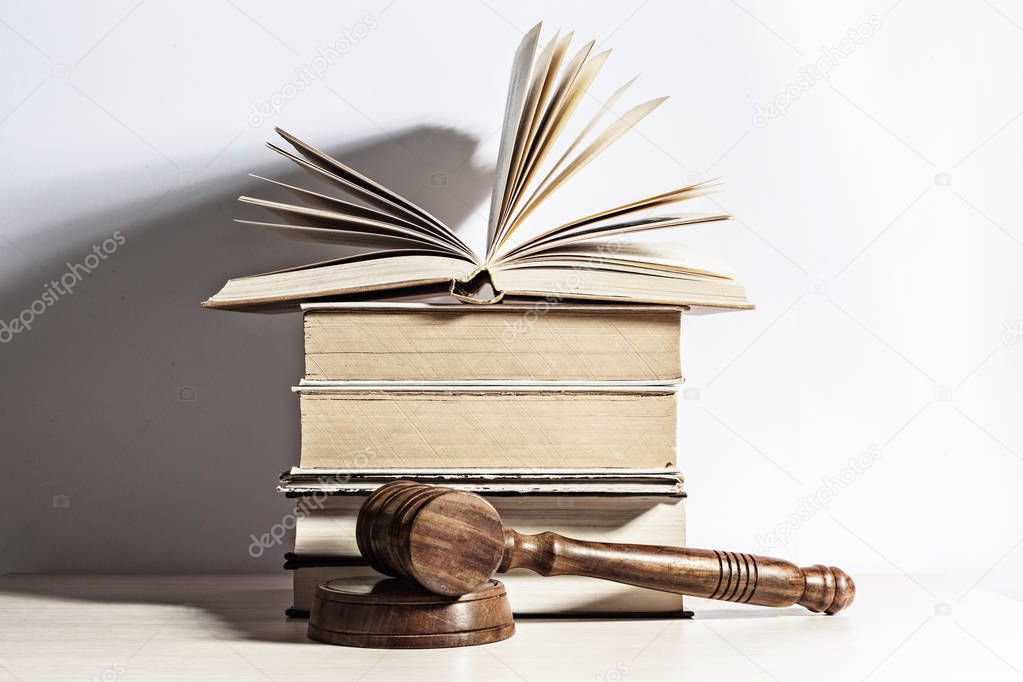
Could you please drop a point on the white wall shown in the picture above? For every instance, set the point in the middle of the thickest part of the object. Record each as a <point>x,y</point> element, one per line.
<point>877,228</point>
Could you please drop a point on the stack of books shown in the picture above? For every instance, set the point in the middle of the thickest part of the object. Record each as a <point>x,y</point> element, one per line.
<point>565,421</point>
<point>554,396</point>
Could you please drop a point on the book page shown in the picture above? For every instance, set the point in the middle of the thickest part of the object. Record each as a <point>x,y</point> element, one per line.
<point>644,224</point>
<point>373,199</point>
<point>663,199</point>
<point>351,175</point>
<point>331,235</point>
<point>631,284</point>
<point>606,107</point>
<point>379,271</point>
<point>578,76</point>
<point>335,204</point>
<point>624,251</point>
<point>521,67</point>
<point>540,90</point>
<point>621,126</point>
<point>317,217</point>
<point>544,70</point>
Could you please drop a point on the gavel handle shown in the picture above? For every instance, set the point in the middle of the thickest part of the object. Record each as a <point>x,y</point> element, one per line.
<point>712,574</point>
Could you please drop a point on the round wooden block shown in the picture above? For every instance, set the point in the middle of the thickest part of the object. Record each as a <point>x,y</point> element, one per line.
<point>388,613</point>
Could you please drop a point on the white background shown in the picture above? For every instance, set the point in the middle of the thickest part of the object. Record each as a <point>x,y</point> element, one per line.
<point>877,229</point>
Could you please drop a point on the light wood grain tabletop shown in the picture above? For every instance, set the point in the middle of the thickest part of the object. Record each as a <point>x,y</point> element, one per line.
<point>157,627</point>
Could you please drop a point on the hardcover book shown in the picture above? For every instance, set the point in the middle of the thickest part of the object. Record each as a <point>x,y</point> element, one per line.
<point>637,506</point>
<point>419,343</point>
<point>493,481</point>
<point>397,425</point>
<point>326,525</point>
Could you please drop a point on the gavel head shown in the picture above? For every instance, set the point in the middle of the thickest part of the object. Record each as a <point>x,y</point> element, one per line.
<point>449,541</point>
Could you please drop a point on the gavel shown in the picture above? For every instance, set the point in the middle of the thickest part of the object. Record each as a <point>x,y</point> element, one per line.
<point>451,542</point>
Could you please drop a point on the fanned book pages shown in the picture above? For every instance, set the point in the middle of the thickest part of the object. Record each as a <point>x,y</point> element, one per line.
<point>597,256</point>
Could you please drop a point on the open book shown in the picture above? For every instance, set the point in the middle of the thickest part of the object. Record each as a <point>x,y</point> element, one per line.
<point>596,256</point>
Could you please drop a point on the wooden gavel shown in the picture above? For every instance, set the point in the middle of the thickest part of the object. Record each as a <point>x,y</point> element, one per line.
<point>451,542</point>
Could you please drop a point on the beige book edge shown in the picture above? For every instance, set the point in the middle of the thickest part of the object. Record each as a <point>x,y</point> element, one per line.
<point>468,426</point>
<point>507,344</point>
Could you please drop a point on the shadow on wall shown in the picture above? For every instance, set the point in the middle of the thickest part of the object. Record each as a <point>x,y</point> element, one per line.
<point>142,432</point>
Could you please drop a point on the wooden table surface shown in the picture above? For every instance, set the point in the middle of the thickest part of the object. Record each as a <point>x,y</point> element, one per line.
<point>145,627</point>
